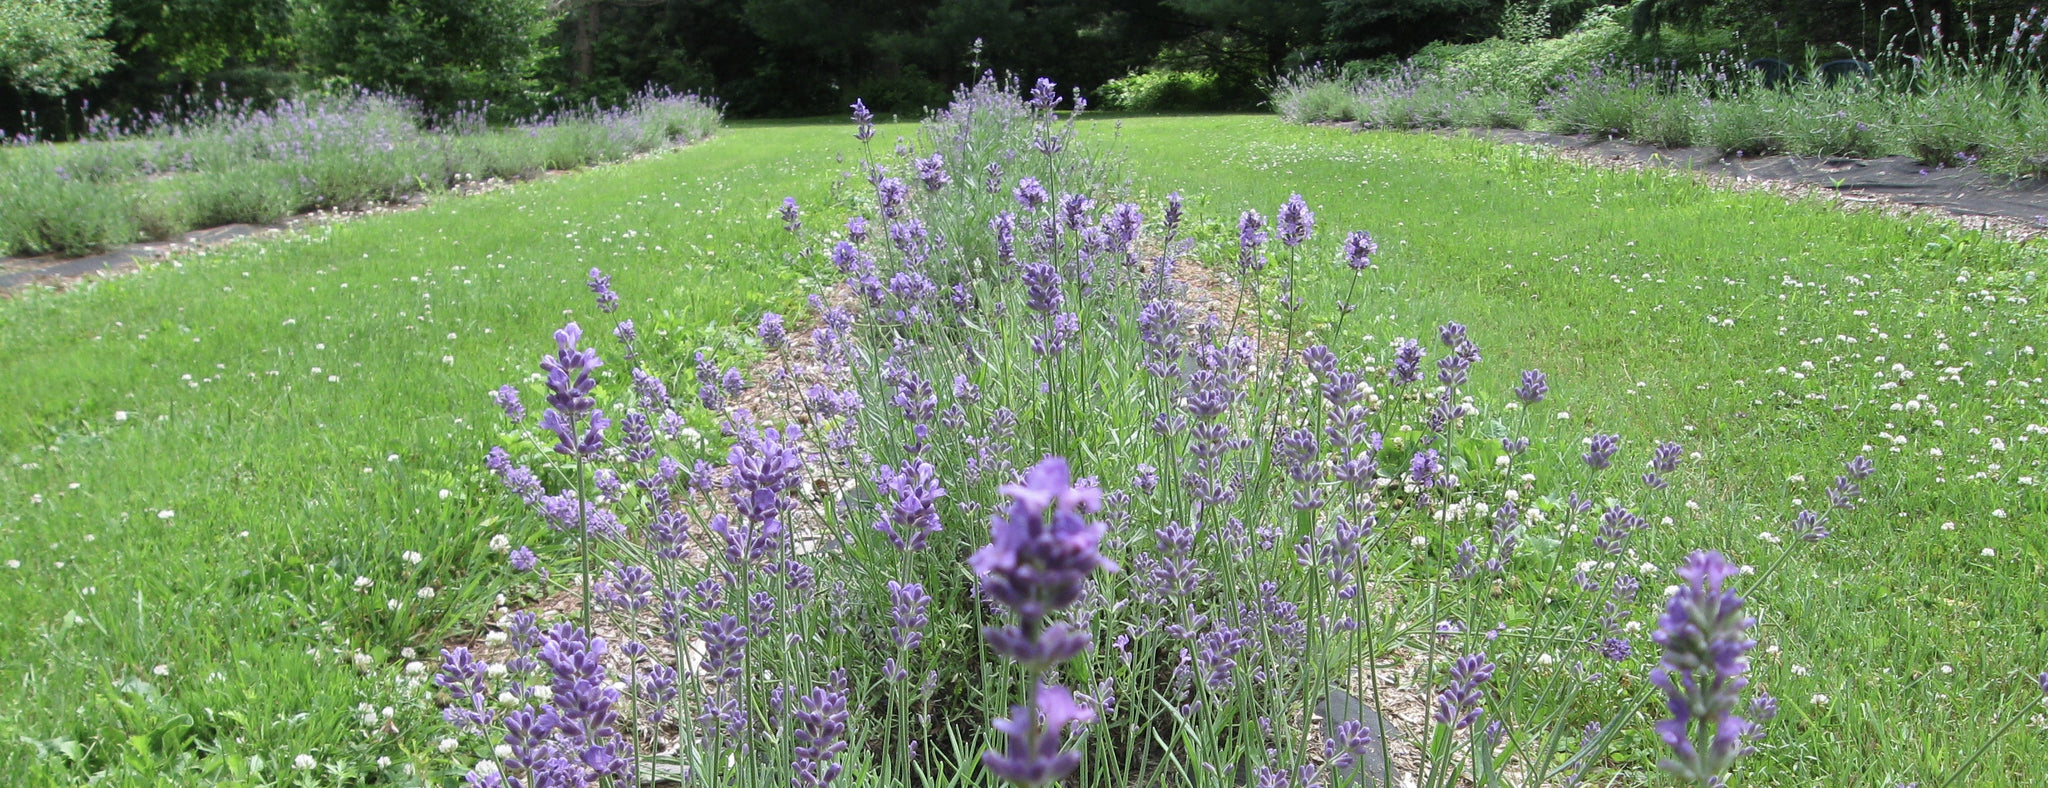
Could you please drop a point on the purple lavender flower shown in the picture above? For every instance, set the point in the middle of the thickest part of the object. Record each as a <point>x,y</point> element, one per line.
<point>1359,247</point>
<point>907,605</point>
<point>1044,96</point>
<point>820,734</point>
<point>1074,210</point>
<point>1407,366</point>
<point>1041,551</point>
<point>890,195</point>
<point>507,397</point>
<point>932,172</point>
<point>1844,492</point>
<point>1460,702</point>
<point>1251,234</point>
<point>568,373</point>
<point>914,515</point>
<point>1426,468</point>
<point>1860,468</point>
<point>866,121</point>
<point>1666,458</point>
<point>771,331</point>
<point>1600,451</point>
<point>1702,632</point>
<point>1033,755</point>
<point>1810,526</point>
<point>1043,292</point>
<point>1030,194</point>
<point>1534,387</point>
<point>792,217</point>
<point>627,334</point>
<point>522,559</point>
<point>601,286</point>
<point>1297,222</point>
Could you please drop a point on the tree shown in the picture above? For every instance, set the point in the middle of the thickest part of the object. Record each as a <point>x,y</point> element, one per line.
<point>52,46</point>
<point>441,52</point>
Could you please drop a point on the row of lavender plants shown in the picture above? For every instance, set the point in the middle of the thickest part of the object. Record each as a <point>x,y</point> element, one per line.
<point>143,178</point>
<point>1016,508</point>
<point>1975,99</point>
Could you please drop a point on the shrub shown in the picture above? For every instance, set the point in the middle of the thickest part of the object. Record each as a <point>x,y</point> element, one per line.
<point>1164,91</point>
<point>43,210</point>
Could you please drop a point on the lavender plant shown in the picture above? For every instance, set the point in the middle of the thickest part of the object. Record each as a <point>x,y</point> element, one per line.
<point>1280,511</point>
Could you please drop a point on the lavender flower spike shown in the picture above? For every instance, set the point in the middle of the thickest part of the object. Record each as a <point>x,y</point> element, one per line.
<point>1702,633</point>
<point>1359,248</point>
<point>507,397</point>
<point>792,216</point>
<point>1297,222</point>
<point>601,286</point>
<point>772,333</point>
<point>1459,704</point>
<point>1534,386</point>
<point>1039,554</point>
<point>1600,451</point>
<point>1032,755</point>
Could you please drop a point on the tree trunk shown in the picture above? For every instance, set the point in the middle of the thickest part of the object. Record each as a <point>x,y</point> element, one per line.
<point>586,33</point>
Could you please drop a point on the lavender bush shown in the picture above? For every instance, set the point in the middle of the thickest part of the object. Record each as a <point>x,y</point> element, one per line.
<point>1064,485</point>
<point>1974,99</point>
<point>149,177</point>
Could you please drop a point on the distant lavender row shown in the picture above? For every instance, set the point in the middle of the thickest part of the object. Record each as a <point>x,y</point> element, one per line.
<point>241,163</point>
<point>1986,105</point>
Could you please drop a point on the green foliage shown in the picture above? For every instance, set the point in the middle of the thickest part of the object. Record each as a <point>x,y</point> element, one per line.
<point>44,210</point>
<point>52,46</point>
<point>1164,91</point>
<point>441,52</point>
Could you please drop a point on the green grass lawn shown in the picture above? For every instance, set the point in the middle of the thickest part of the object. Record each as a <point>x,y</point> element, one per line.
<point>1778,340</point>
<point>216,449</point>
<point>251,430</point>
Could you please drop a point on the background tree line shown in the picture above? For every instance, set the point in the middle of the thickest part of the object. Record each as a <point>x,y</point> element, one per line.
<point>61,59</point>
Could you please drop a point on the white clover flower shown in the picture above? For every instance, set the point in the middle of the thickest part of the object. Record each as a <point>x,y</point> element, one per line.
<point>445,494</point>
<point>161,670</point>
<point>544,692</point>
<point>120,415</point>
<point>414,668</point>
<point>411,557</point>
<point>485,768</point>
<point>362,660</point>
<point>425,592</point>
<point>1819,700</point>
<point>1419,542</point>
<point>1990,553</point>
<point>449,744</point>
<point>383,761</point>
<point>502,750</point>
<point>166,514</point>
<point>496,638</point>
<point>363,582</point>
<point>1799,670</point>
<point>501,544</point>
<point>304,762</point>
